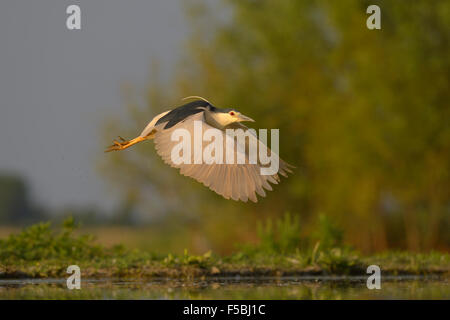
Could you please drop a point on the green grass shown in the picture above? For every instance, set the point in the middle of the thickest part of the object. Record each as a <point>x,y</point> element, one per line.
<point>42,252</point>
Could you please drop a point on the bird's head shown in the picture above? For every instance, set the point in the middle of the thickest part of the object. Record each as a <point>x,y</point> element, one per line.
<point>221,118</point>
<point>224,117</point>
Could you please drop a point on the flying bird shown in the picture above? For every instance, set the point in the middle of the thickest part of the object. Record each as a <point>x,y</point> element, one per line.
<point>237,181</point>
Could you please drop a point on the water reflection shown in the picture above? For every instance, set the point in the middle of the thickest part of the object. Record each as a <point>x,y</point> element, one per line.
<point>230,288</point>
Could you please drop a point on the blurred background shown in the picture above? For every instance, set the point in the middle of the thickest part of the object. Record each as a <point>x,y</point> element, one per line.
<point>363,115</point>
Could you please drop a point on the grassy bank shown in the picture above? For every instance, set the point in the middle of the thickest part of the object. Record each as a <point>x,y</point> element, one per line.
<point>41,252</point>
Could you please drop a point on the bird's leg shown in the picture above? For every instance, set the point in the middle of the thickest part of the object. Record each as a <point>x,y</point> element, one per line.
<point>123,144</point>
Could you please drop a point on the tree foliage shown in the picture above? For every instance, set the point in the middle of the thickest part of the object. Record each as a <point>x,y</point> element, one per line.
<point>363,114</point>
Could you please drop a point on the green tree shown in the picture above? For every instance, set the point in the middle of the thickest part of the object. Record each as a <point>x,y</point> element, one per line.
<point>363,114</point>
<point>14,201</point>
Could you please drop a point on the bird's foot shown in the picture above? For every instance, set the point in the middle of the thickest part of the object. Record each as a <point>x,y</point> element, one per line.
<point>118,145</point>
<point>123,144</point>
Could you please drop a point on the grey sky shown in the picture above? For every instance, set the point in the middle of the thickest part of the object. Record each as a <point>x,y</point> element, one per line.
<point>56,84</point>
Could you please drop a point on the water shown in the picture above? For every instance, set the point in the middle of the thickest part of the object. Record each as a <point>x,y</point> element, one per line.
<point>231,288</point>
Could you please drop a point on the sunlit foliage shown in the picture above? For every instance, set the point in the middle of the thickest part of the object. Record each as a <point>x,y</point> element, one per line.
<point>363,114</point>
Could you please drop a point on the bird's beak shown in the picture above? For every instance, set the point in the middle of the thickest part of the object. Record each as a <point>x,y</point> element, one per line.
<point>241,118</point>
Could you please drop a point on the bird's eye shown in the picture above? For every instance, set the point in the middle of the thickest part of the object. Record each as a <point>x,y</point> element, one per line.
<point>231,113</point>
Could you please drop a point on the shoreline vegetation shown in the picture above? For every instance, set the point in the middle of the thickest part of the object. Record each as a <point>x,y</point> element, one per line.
<point>41,252</point>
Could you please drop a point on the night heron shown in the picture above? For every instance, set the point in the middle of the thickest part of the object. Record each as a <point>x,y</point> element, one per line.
<point>238,181</point>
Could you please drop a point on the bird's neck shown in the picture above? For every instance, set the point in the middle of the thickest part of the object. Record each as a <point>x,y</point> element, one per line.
<point>216,120</point>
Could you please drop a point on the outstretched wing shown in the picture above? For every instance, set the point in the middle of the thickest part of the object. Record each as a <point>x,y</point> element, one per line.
<point>235,181</point>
